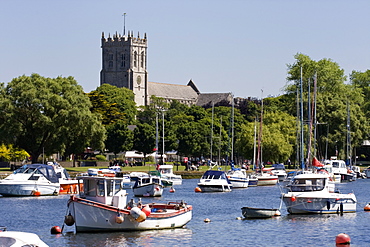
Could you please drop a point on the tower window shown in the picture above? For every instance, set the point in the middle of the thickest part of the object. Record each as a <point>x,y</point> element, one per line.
<point>135,59</point>
<point>110,64</point>
<point>110,57</point>
<point>142,60</point>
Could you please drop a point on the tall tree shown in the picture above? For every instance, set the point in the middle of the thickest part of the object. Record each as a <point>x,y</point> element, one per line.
<point>45,115</point>
<point>144,138</point>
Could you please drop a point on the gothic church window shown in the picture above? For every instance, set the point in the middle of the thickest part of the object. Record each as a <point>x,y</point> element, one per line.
<point>135,59</point>
<point>142,60</point>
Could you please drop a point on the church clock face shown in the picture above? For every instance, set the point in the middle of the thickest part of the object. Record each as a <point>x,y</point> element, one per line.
<point>138,80</point>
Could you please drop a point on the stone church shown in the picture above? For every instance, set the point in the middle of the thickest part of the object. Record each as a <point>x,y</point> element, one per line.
<point>124,64</point>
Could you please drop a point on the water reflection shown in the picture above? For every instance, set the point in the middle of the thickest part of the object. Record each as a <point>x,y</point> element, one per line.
<point>138,238</point>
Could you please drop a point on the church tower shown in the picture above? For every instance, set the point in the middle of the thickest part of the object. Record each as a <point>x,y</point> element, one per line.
<point>124,61</point>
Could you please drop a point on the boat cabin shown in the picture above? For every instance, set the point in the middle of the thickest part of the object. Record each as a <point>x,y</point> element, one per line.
<point>106,190</point>
<point>308,184</point>
<point>210,174</point>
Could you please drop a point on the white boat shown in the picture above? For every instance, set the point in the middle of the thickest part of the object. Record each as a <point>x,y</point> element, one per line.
<point>67,184</point>
<point>103,207</point>
<point>31,180</point>
<point>310,194</point>
<point>340,168</point>
<point>148,186</point>
<point>214,181</point>
<point>16,238</point>
<point>250,213</point>
<point>135,175</point>
<point>167,173</point>
<point>266,178</point>
<point>279,170</point>
<point>238,178</point>
<point>253,180</point>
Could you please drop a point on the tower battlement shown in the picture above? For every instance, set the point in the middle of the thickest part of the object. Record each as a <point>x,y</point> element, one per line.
<point>118,39</point>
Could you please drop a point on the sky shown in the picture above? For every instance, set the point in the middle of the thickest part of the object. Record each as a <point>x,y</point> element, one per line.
<point>238,46</point>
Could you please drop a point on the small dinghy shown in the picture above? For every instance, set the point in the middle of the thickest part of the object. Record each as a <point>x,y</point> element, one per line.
<point>249,212</point>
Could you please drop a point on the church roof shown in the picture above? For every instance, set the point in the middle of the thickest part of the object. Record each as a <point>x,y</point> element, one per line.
<point>206,99</point>
<point>172,91</point>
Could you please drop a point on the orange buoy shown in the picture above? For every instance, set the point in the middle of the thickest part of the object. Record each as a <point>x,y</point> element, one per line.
<point>367,207</point>
<point>36,193</point>
<point>172,190</point>
<point>197,189</point>
<point>342,239</point>
<point>293,198</point>
<point>55,230</point>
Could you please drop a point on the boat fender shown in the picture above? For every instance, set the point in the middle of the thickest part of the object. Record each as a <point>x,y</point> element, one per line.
<point>293,198</point>
<point>342,239</point>
<point>328,205</point>
<point>146,210</point>
<point>69,220</point>
<point>36,193</point>
<point>137,214</point>
<point>55,230</point>
<point>119,218</point>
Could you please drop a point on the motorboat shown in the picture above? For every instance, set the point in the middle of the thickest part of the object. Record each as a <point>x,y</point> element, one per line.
<point>166,172</point>
<point>148,186</point>
<point>214,181</point>
<point>166,182</point>
<point>102,207</point>
<point>68,185</point>
<point>311,194</point>
<point>266,177</point>
<point>238,178</point>
<point>135,175</point>
<point>16,238</point>
<point>31,180</point>
<point>252,180</point>
<point>279,170</point>
<point>252,213</point>
<point>340,168</point>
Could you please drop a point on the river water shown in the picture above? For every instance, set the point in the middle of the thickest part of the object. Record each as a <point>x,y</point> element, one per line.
<point>39,214</point>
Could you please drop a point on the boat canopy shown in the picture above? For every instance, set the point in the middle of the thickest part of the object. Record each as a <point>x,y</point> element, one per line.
<point>47,171</point>
<point>210,174</point>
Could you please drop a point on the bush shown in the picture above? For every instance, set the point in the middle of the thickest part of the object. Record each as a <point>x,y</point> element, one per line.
<point>100,157</point>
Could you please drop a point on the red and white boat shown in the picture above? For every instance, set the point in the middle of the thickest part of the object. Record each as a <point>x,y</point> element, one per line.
<point>266,177</point>
<point>102,206</point>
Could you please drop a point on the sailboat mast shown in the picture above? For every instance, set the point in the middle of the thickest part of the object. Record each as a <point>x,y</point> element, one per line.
<point>349,154</point>
<point>232,130</point>
<point>301,122</point>
<point>254,143</point>
<point>213,108</point>
<point>156,137</point>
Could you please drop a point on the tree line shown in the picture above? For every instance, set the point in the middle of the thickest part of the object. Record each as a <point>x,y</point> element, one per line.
<point>54,115</point>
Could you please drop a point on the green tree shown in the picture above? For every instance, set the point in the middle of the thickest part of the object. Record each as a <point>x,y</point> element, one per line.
<point>120,137</point>
<point>144,139</point>
<point>333,97</point>
<point>45,115</point>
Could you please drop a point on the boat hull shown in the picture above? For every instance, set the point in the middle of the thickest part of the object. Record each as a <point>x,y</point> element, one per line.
<point>90,216</point>
<point>311,204</point>
<point>214,187</point>
<point>249,212</point>
<point>239,182</point>
<point>151,190</point>
<point>264,181</point>
<point>28,189</point>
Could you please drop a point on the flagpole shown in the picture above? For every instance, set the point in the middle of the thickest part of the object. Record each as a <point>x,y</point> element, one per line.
<point>124,24</point>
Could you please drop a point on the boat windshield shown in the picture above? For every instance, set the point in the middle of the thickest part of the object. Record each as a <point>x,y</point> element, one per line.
<point>304,184</point>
